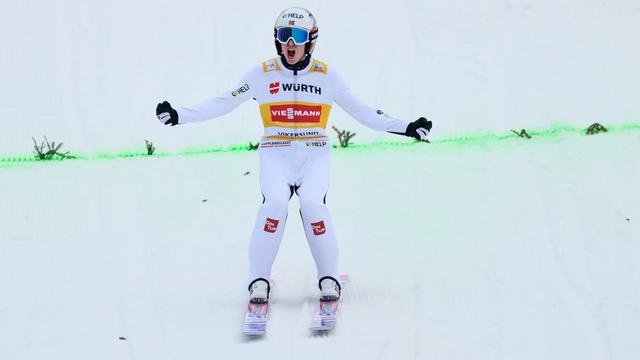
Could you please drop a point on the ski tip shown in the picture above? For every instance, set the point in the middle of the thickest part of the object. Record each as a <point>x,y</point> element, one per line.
<point>322,327</point>
<point>254,333</point>
<point>254,329</point>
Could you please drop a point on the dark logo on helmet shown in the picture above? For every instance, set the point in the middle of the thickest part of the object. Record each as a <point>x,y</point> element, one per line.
<point>293,15</point>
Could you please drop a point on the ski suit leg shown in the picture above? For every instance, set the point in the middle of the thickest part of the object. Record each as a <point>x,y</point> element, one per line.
<point>272,214</point>
<point>318,225</point>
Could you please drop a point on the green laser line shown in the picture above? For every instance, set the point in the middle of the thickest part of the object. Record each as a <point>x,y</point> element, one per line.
<point>481,138</point>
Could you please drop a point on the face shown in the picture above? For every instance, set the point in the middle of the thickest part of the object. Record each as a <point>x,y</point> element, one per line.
<point>293,53</point>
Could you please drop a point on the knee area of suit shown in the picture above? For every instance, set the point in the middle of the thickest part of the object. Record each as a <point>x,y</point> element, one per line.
<point>276,205</point>
<point>312,206</point>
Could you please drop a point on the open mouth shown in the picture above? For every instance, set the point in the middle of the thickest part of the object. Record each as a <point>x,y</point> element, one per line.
<point>291,53</point>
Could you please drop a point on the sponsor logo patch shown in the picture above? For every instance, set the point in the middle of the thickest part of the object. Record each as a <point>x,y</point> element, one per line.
<point>275,87</point>
<point>380,112</point>
<point>272,144</point>
<point>296,113</point>
<point>318,228</point>
<point>302,87</point>
<point>298,134</point>
<point>318,66</point>
<point>270,65</point>
<point>316,143</point>
<point>242,89</point>
<point>271,225</point>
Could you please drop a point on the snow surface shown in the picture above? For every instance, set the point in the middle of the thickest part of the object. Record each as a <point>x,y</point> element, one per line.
<point>513,249</point>
<point>509,249</point>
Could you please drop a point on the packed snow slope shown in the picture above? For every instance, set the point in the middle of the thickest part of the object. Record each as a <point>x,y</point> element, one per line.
<point>514,249</point>
<point>90,73</point>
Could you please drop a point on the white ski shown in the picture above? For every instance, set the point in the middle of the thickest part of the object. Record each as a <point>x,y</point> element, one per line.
<point>324,318</point>
<point>255,319</point>
<point>256,316</point>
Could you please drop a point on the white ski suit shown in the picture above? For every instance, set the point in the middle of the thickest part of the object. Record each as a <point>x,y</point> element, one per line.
<point>294,152</point>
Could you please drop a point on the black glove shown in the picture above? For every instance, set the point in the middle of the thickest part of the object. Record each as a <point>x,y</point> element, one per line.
<point>166,114</point>
<point>419,129</point>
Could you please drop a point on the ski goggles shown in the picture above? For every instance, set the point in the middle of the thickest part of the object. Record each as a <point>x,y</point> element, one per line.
<point>299,36</point>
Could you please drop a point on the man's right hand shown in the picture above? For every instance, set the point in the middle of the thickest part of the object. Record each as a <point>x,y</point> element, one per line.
<point>166,114</point>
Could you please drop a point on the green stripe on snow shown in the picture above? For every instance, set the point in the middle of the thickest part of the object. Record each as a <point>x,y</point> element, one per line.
<point>482,138</point>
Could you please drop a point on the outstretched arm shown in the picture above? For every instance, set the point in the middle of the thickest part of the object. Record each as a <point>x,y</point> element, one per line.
<point>376,119</point>
<point>210,108</point>
<point>216,106</point>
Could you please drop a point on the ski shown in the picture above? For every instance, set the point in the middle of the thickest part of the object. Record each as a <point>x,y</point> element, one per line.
<point>256,316</point>
<point>324,318</point>
<point>255,319</point>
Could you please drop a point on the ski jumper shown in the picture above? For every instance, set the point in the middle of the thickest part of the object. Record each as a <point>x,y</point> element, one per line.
<point>294,152</point>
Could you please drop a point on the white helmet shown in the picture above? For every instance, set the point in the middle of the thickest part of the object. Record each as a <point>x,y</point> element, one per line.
<point>298,24</point>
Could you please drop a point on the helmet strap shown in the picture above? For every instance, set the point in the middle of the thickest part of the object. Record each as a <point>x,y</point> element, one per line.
<point>278,48</point>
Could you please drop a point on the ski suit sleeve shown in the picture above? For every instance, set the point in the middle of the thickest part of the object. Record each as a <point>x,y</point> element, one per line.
<point>220,105</point>
<point>374,119</point>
